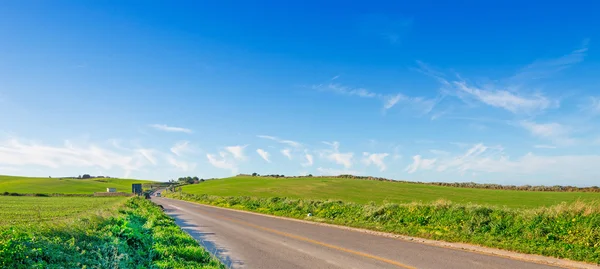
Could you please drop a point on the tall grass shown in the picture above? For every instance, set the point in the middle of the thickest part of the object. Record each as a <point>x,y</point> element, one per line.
<point>137,235</point>
<point>565,231</point>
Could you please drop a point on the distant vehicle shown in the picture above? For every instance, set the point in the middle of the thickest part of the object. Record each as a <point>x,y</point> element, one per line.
<point>158,194</point>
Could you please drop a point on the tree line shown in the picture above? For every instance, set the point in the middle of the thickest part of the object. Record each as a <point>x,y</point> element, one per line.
<point>554,188</point>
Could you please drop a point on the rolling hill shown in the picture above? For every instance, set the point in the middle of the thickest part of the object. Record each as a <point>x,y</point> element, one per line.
<point>71,186</point>
<point>365,191</point>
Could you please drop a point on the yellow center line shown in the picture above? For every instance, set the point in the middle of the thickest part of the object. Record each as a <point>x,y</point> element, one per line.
<point>297,237</point>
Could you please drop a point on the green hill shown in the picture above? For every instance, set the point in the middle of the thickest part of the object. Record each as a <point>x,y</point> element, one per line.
<point>57,185</point>
<point>365,191</point>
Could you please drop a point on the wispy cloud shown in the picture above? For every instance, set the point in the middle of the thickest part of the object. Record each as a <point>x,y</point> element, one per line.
<point>344,159</point>
<point>181,147</point>
<point>166,128</point>
<point>334,155</point>
<point>282,141</point>
<point>544,147</point>
<point>376,159</point>
<point>391,100</point>
<point>148,154</point>
<point>16,152</point>
<point>511,101</point>
<point>237,151</point>
<point>265,155</point>
<point>419,163</point>
<point>508,93</point>
<point>309,160</point>
<point>180,164</point>
<point>552,131</point>
<point>544,68</point>
<point>423,104</point>
<point>592,105</point>
<point>492,159</point>
<point>287,153</point>
<point>222,161</point>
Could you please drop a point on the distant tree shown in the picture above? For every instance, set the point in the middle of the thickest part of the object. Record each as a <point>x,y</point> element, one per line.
<point>254,174</point>
<point>86,176</point>
<point>309,175</point>
<point>202,180</point>
<point>79,177</point>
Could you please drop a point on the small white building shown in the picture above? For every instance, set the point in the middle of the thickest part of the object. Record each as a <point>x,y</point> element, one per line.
<point>111,189</point>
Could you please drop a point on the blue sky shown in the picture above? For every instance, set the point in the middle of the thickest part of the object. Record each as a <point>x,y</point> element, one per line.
<point>502,91</point>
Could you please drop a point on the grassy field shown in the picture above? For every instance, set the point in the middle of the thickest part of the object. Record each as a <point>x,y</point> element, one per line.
<point>70,186</point>
<point>23,210</point>
<point>365,191</point>
<point>94,232</point>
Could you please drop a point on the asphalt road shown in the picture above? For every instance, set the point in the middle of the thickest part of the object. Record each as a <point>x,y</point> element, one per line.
<point>244,240</point>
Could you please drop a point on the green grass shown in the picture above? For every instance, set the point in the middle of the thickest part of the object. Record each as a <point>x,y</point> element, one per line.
<point>16,210</point>
<point>69,186</point>
<point>365,191</point>
<point>129,233</point>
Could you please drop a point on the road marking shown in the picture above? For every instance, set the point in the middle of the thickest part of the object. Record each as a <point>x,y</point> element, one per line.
<point>297,237</point>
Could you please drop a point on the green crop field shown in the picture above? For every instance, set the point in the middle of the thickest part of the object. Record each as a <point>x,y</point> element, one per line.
<point>94,232</point>
<point>70,186</point>
<point>15,210</point>
<point>365,191</point>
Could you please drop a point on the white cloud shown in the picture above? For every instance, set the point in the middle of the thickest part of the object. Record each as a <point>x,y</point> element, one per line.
<point>593,105</point>
<point>287,153</point>
<point>420,164</point>
<point>545,68</point>
<point>553,131</point>
<point>181,165</point>
<point>390,101</point>
<point>265,155</point>
<point>181,147</point>
<point>544,147</point>
<point>166,128</point>
<point>344,159</point>
<point>483,159</point>
<point>282,141</point>
<point>513,102</point>
<point>508,93</point>
<point>492,159</point>
<point>237,152</point>
<point>340,89</point>
<point>336,172</point>
<point>309,160</point>
<point>376,159</point>
<point>335,145</point>
<point>148,154</point>
<point>223,162</point>
<point>463,162</point>
<point>18,152</point>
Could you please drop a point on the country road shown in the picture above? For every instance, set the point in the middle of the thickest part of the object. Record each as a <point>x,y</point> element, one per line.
<point>245,240</point>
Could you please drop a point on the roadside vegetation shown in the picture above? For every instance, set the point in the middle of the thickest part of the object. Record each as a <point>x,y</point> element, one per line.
<point>15,184</point>
<point>365,191</point>
<point>94,232</point>
<point>567,230</point>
